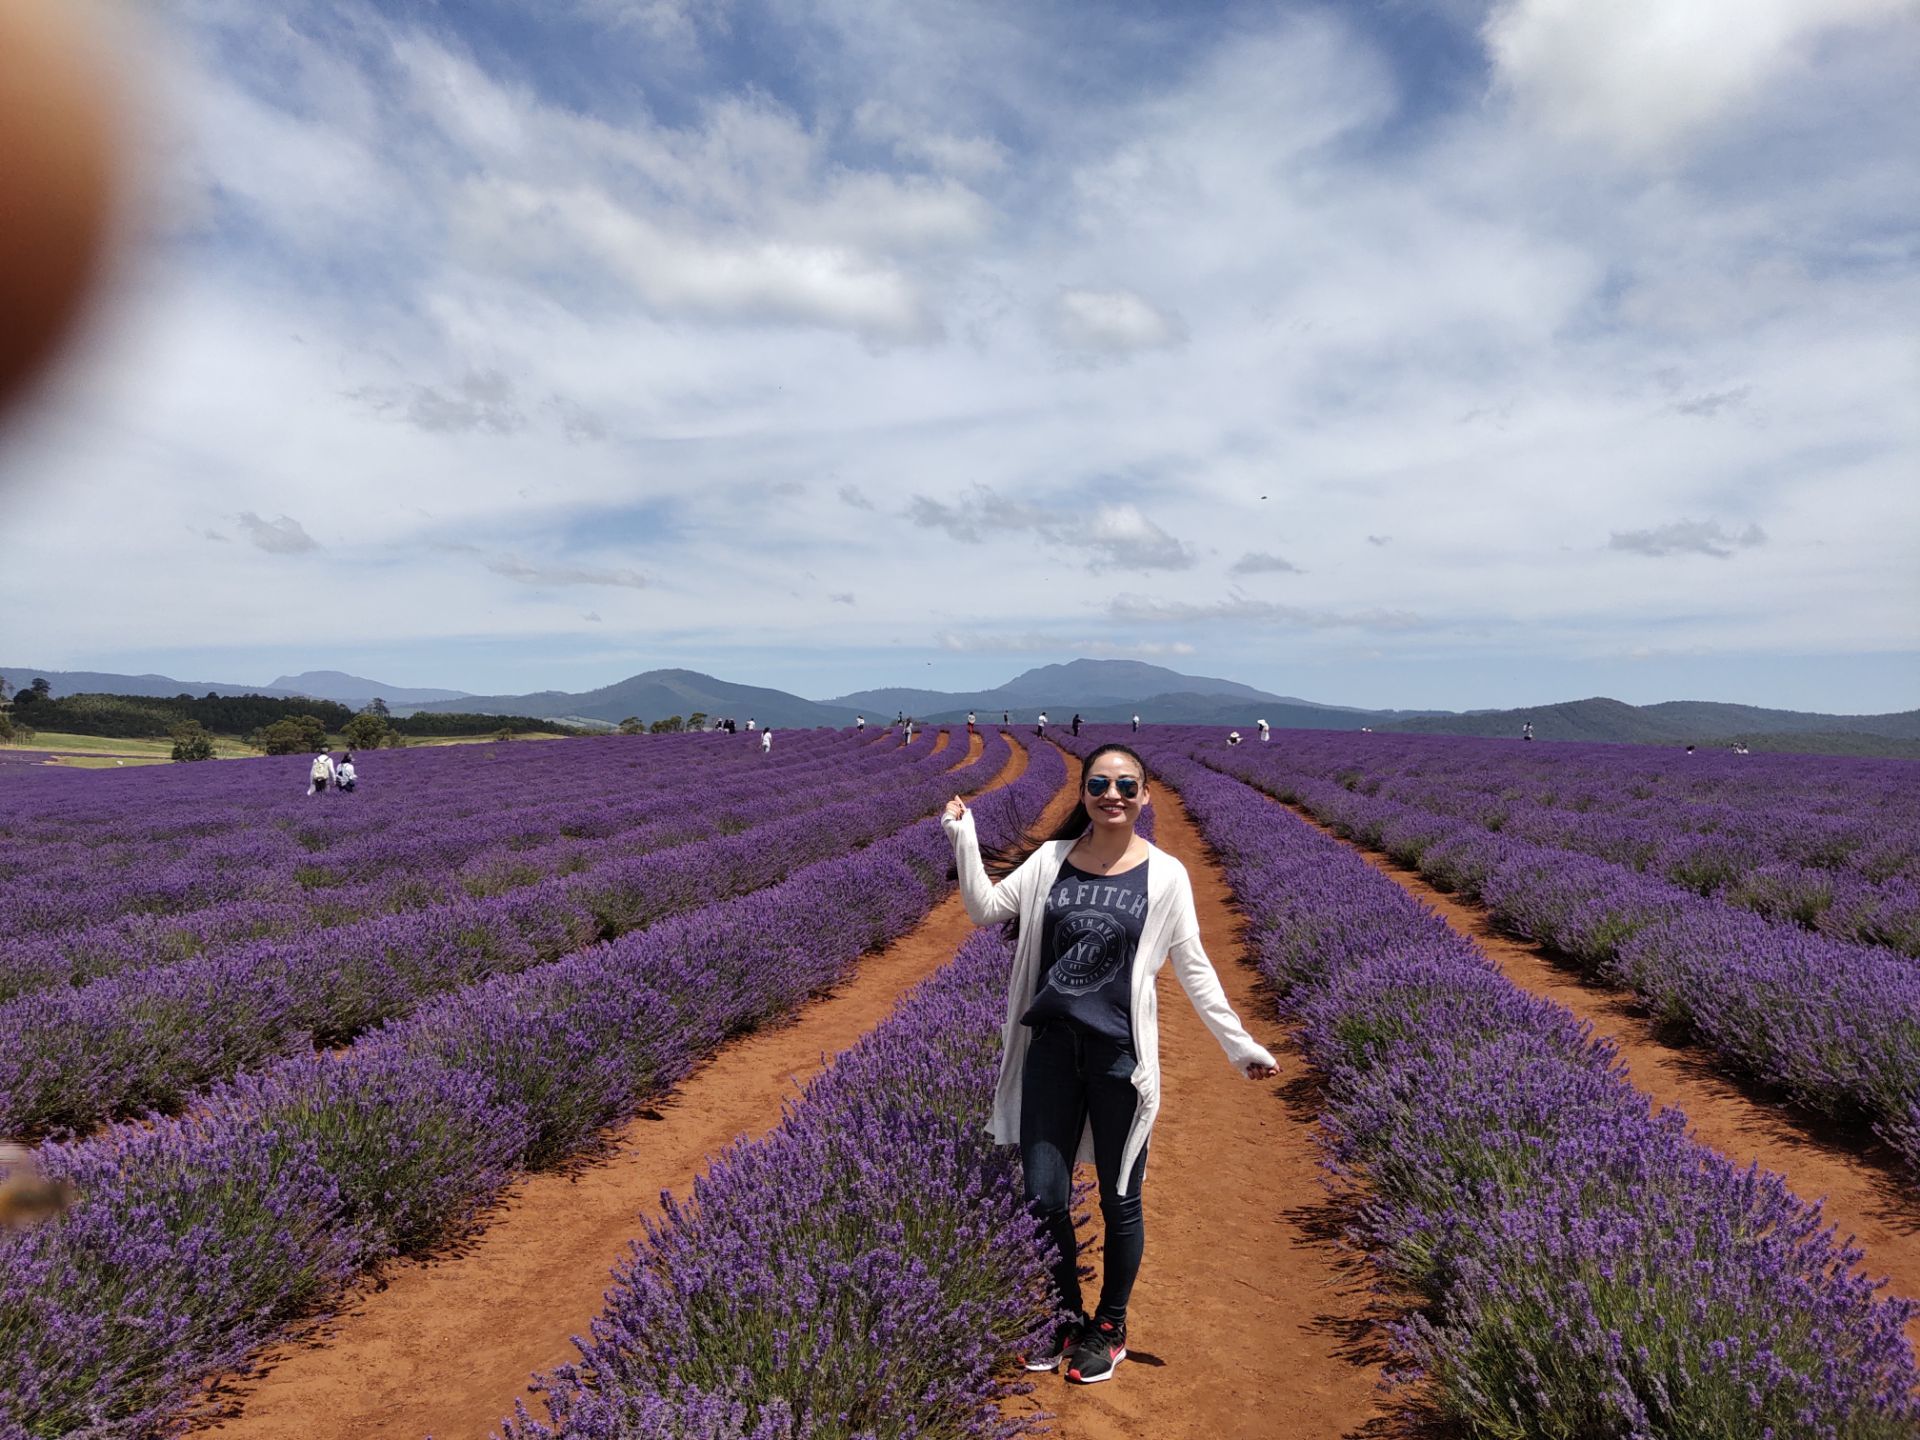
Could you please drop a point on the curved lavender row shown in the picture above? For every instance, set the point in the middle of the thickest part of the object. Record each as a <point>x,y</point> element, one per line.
<point>267,862</point>
<point>432,866</point>
<point>148,1039</point>
<point>197,1238</point>
<point>171,815</point>
<point>1588,1270</point>
<point>1784,854</point>
<point>1836,1026</point>
<point>865,1267</point>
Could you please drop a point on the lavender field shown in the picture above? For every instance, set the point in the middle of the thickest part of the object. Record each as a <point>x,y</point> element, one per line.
<point>462,1038</point>
<point>1766,907</point>
<point>277,1040</point>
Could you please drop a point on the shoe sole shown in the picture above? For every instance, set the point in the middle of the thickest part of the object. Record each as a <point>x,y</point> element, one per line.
<point>1041,1366</point>
<point>1077,1378</point>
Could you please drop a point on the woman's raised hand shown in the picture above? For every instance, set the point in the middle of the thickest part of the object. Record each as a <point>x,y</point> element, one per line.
<point>956,807</point>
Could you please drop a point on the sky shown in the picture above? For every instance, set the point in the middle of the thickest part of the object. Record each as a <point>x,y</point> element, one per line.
<point>1418,353</point>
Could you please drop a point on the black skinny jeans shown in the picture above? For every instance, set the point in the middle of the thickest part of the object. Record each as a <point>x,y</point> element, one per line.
<point>1071,1076</point>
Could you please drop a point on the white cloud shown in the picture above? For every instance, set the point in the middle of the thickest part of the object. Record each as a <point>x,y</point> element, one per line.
<point>967,155</point>
<point>1117,535</point>
<point>1642,75</point>
<point>1112,322</point>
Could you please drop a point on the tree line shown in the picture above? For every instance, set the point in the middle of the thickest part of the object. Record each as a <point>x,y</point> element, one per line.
<point>277,725</point>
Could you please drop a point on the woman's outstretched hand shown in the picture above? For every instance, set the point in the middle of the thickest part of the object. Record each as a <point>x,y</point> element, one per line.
<point>956,807</point>
<point>1261,1072</point>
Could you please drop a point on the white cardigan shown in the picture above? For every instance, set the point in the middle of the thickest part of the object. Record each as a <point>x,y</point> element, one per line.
<point>1171,931</point>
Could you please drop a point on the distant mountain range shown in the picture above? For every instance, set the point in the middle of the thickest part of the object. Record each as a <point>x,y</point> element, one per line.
<point>1110,690</point>
<point>336,685</point>
<point>1099,690</point>
<point>654,696</point>
<point>356,690</point>
<point>1674,722</point>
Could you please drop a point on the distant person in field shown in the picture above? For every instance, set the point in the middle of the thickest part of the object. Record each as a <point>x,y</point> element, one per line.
<point>909,730</point>
<point>1041,728</point>
<point>1526,730</point>
<point>969,724</point>
<point>1076,723</point>
<point>320,774</point>
<point>344,777</point>
<point>1233,737</point>
<point>749,724</point>
<point>1098,910</point>
<point>1266,731</point>
<point>766,739</point>
<point>1006,717</point>
<point>1136,724</point>
<point>859,724</point>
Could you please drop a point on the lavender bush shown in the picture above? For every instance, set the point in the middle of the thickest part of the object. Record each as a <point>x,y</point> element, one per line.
<point>866,1269</point>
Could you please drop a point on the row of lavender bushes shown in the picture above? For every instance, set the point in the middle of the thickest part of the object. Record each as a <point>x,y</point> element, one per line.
<point>864,1270</point>
<point>1584,1271</point>
<point>245,834</point>
<point>1836,1026</point>
<point>150,1039</point>
<point>197,1238</point>
<point>214,892</point>
<point>1831,845</point>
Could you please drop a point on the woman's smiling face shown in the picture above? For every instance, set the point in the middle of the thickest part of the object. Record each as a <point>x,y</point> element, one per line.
<point>1112,810</point>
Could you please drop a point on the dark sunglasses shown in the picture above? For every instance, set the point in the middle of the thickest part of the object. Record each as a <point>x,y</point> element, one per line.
<point>1127,785</point>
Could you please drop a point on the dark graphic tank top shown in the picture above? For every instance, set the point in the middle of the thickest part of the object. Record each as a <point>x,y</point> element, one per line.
<point>1087,944</point>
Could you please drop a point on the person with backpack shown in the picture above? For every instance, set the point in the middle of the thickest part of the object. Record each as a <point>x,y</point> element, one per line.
<point>1098,911</point>
<point>320,774</point>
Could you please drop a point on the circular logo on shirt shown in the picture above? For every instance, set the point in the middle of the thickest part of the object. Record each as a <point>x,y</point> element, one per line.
<point>1089,945</point>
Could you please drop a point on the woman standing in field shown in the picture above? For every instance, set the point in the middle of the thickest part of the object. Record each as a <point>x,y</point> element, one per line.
<point>1099,910</point>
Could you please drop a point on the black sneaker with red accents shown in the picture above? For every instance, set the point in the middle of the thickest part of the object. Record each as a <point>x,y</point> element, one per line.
<point>1102,1346</point>
<point>1065,1335</point>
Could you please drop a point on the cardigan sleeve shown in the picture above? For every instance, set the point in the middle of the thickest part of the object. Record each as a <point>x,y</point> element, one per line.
<point>1198,978</point>
<point>986,902</point>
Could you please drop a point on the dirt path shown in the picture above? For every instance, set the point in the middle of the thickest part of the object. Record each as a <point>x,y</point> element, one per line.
<point>445,1346</point>
<point>1860,1187</point>
<point>1245,1321</point>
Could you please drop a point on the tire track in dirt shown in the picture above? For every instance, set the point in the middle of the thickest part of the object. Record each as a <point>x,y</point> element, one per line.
<point>1860,1186</point>
<point>1247,1320</point>
<point>447,1344</point>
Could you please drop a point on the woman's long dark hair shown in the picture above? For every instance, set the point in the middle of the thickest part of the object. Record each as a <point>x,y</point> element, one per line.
<point>1002,860</point>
